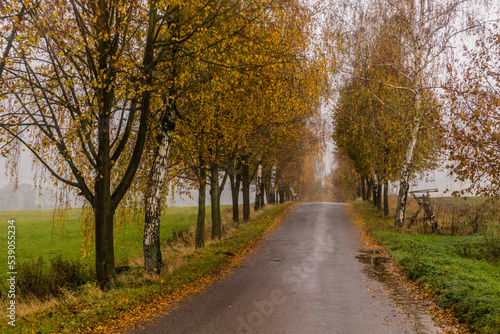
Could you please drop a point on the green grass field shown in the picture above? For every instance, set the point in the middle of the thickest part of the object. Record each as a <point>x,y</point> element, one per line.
<point>462,272</point>
<point>37,236</point>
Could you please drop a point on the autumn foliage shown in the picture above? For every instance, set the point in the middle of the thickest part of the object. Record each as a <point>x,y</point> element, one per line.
<point>473,117</point>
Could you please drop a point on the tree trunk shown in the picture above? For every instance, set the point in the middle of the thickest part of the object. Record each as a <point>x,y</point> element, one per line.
<point>151,241</point>
<point>262,193</point>
<point>104,209</point>
<point>379,196</point>
<point>272,186</point>
<point>375,189</point>
<point>104,245</point>
<point>363,189</point>
<point>215,202</point>
<point>258,187</point>
<point>282,193</point>
<point>386,199</point>
<point>235,194</point>
<point>103,204</point>
<point>404,186</point>
<point>200,221</point>
<point>405,172</point>
<point>369,189</point>
<point>152,208</point>
<point>266,193</point>
<point>404,178</point>
<point>246,191</point>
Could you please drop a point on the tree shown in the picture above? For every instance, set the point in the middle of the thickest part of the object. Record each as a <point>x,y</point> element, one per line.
<point>427,31</point>
<point>473,136</point>
<point>80,94</point>
<point>183,25</point>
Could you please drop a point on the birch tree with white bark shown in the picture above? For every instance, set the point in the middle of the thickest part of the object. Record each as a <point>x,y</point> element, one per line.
<point>427,29</point>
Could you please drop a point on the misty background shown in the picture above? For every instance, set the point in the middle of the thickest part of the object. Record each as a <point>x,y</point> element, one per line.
<point>27,197</point>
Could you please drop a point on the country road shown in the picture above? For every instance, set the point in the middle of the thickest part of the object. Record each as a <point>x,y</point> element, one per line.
<point>306,277</point>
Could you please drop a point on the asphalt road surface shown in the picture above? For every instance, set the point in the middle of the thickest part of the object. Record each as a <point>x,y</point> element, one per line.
<point>307,277</point>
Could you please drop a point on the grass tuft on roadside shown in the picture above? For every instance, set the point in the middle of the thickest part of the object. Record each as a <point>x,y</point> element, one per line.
<point>454,269</point>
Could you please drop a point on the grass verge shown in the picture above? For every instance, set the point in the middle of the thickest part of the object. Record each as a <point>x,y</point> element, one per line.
<point>137,297</point>
<point>468,285</point>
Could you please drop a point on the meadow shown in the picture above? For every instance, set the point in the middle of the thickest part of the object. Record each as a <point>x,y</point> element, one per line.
<point>40,234</point>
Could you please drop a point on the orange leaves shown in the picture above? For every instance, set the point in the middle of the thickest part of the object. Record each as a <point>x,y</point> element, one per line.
<point>473,118</point>
<point>249,89</point>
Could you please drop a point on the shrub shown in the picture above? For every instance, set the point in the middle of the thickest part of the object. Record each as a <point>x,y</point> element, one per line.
<point>487,249</point>
<point>470,250</point>
<point>492,249</point>
<point>37,280</point>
